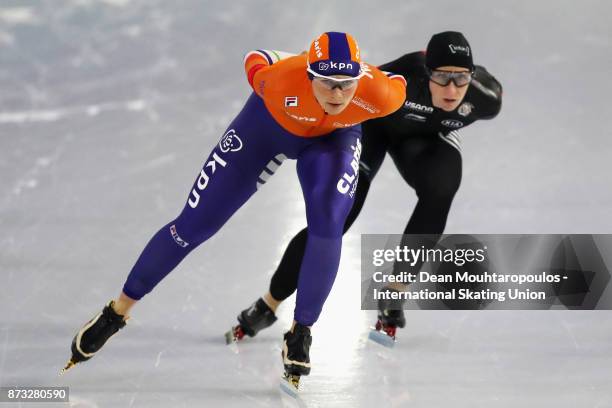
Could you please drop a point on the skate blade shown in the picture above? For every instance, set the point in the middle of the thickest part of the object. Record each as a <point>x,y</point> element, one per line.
<point>382,338</point>
<point>229,337</point>
<point>232,341</point>
<point>234,335</point>
<point>289,384</point>
<point>69,365</point>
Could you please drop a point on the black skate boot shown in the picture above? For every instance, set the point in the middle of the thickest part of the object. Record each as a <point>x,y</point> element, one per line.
<point>390,317</point>
<point>296,356</point>
<point>251,321</point>
<point>94,334</point>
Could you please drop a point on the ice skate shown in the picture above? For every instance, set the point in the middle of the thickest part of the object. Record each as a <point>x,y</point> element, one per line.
<point>250,321</point>
<point>90,339</point>
<point>296,357</point>
<point>390,317</point>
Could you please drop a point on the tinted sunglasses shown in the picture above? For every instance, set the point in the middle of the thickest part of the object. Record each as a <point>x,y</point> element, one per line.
<point>443,78</point>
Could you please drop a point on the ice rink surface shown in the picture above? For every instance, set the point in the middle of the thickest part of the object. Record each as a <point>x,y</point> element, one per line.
<point>107,111</point>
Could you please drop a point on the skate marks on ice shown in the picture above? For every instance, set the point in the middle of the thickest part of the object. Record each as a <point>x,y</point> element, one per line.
<point>79,402</point>
<point>65,112</point>
<point>406,340</point>
<point>258,357</point>
<point>288,387</point>
<point>238,347</point>
<point>245,353</point>
<point>235,337</point>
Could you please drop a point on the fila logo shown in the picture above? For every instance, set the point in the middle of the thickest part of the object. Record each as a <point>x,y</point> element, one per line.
<point>230,142</point>
<point>291,101</point>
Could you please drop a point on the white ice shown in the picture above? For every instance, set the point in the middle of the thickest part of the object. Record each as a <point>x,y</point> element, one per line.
<point>107,111</point>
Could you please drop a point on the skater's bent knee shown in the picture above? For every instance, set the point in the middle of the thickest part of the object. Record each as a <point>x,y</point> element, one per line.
<point>440,191</point>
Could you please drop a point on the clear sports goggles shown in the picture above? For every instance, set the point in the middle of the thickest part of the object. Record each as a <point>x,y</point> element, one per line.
<point>443,78</point>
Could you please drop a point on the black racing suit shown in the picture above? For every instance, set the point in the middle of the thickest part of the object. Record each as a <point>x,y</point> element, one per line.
<point>423,142</point>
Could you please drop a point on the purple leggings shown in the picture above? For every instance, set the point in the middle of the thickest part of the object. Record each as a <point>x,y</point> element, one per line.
<point>249,152</point>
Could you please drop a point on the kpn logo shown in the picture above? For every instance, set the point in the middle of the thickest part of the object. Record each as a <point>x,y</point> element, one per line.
<point>323,66</point>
